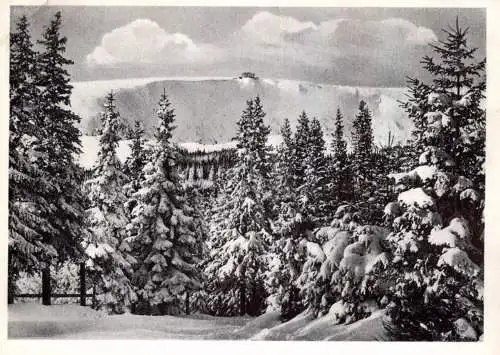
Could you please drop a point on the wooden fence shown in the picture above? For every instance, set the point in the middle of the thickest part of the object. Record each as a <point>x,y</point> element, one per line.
<point>47,294</point>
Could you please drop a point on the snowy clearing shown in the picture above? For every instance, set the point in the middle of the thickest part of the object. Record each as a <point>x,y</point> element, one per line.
<point>76,322</point>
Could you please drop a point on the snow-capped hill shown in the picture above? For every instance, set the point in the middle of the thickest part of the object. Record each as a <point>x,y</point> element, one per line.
<point>208,108</point>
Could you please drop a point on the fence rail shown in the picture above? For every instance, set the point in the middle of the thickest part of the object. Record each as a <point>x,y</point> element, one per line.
<point>54,295</point>
<point>47,294</point>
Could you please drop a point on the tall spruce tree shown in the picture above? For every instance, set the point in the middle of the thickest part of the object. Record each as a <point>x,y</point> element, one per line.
<point>308,203</point>
<point>163,228</point>
<point>285,156</point>
<point>23,92</point>
<point>134,164</point>
<point>341,183</point>
<point>284,169</point>
<point>301,138</point>
<point>362,141</point>
<point>108,247</point>
<point>314,192</point>
<point>60,142</point>
<point>288,233</point>
<point>240,234</point>
<point>285,194</point>
<point>56,147</point>
<point>437,232</point>
<point>461,79</point>
<point>28,208</point>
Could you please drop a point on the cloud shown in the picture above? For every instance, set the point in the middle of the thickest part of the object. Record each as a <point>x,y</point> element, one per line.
<point>338,50</point>
<point>341,50</point>
<point>422,36</point>
<point>412,34</point>
<point>269,28</point>
<point>143,41</point>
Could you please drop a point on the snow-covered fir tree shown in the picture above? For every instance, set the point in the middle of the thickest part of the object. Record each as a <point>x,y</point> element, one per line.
<point>60,142</point>
<point>284,164</point>
<point>301,144</point>
<point>289,232</point>
<point>437,220</point>
<point>356,286</point>
<point>163,228</point>
<point>306,281</point>
<point>307,152</point>
<point>362,142</point>
<point>341,179</point>
<point>461,78</point>
<point>369,169</point>
<point>108,248</point>
<point>28,185</point>
<point>136,160</point>
<point>240,224</point>
<point>309,205</point>
<point>314,192</point>
<point>135,163</point>
<point>343,260</point>
<point>286,265</point>
<point>53,148</point>
<point>341,273</point>
<point>285,193</point>
<point>201,202</point>
<point>23,92</point>
<point>306,201</point>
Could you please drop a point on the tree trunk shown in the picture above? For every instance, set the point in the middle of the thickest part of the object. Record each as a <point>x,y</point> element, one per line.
<point>94,299</point>
<point>242,298</point>
<point>10,289</point>
<point>83,290</point>
<point>11,285</point>
<point>46,286</point>
<point>187,302</point>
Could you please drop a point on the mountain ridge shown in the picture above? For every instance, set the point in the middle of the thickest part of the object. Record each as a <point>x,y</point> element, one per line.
<point>208,108</point>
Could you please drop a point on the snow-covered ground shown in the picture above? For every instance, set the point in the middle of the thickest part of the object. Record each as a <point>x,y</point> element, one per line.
<point>76,322</point>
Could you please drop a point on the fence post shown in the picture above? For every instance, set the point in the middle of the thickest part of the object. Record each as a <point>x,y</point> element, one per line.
<point>46,286</point>
<point>83,290</point>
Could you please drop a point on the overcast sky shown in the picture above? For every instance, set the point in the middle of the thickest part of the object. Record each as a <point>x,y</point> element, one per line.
<point>347,46</point>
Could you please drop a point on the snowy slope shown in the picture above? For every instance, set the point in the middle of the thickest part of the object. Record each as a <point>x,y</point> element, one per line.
<point>208,108</point>
<point>87,94</point>
<point>304,327</point>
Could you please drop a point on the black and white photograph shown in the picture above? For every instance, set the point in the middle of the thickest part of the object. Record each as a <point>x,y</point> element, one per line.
<point>246,173</point>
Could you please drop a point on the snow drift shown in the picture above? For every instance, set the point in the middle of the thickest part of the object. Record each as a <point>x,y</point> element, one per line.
<point>76,322</point>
